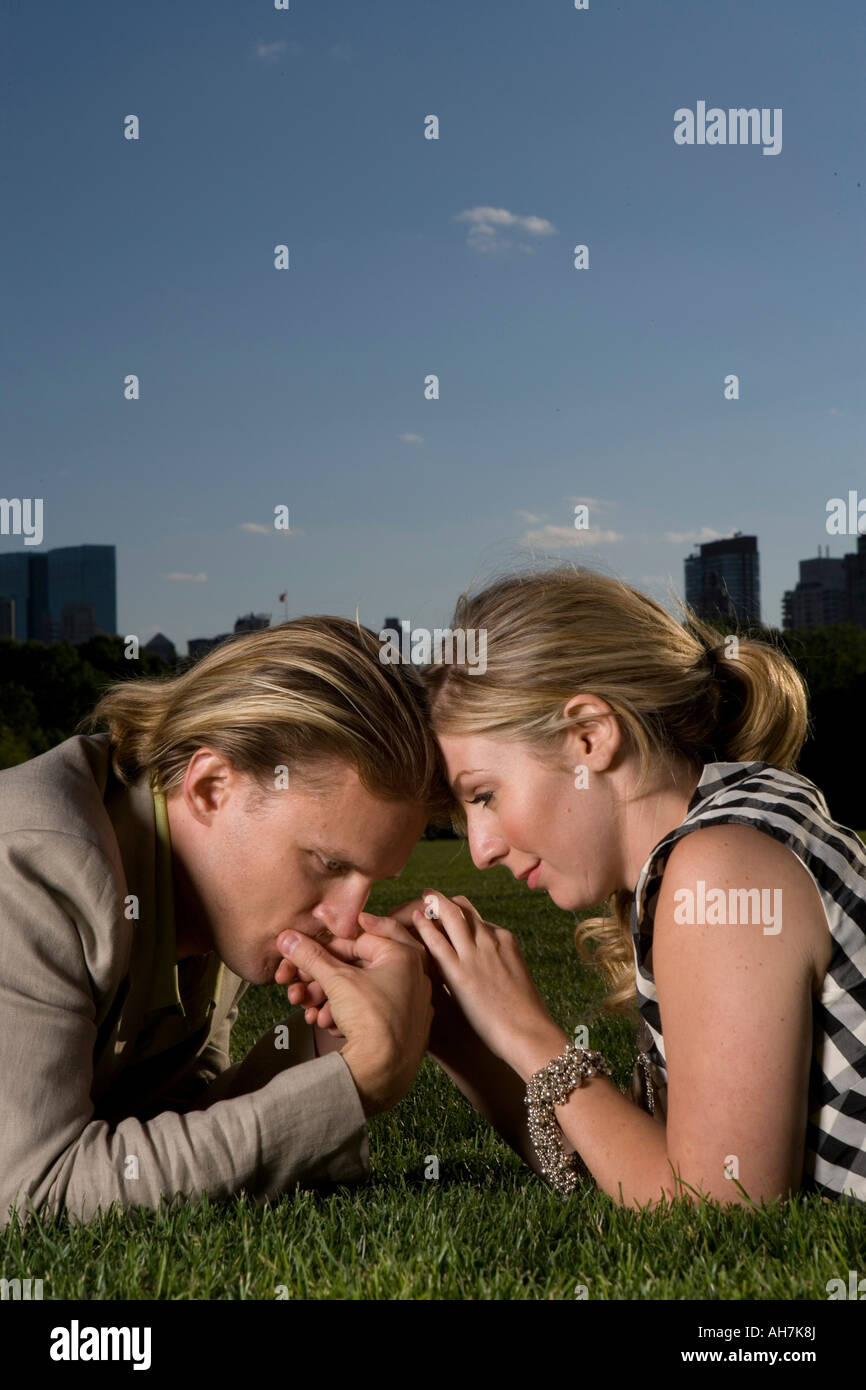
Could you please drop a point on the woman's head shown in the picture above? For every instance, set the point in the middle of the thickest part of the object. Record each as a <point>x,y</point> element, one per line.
<point>596,710</point>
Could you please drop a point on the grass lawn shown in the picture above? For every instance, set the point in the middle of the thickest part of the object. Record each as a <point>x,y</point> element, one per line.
<point>488,1228</point>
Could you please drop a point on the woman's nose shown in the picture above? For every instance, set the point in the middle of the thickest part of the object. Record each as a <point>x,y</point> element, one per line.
<point>486,849</point>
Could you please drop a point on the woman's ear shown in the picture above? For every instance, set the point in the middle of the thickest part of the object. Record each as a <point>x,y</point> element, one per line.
<point>593,735</point>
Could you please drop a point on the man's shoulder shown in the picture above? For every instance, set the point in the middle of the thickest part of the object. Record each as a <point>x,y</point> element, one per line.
<point>61,791</point>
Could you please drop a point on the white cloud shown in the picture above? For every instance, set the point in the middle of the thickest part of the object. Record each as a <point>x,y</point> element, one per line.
<point>530,517</point>
<point>269,51</point>
<point>411,439</point>
<point>555,537</point>
<point>487,225</point>
<point>189,578</point>
<point>701,537</point>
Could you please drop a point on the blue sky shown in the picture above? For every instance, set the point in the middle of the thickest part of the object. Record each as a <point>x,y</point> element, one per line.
<point>305,387</point>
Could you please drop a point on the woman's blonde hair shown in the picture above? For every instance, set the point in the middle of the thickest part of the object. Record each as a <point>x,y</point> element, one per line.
<point>297,695</point>
<point>569,629</point>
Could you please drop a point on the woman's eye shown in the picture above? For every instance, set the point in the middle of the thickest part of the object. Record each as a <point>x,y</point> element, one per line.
<point>483,797</point>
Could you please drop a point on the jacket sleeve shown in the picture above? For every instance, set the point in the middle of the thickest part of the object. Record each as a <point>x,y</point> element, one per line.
<point>305,1123</point>
<point>186,1091</point>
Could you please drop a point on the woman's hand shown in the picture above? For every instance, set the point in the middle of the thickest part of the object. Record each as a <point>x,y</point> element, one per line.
<point>485,972</point>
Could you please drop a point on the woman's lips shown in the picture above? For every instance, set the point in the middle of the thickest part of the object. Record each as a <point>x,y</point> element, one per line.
<point>532,878</point>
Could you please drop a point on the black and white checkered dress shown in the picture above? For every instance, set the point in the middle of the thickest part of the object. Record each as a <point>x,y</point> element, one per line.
<point>793,810</point>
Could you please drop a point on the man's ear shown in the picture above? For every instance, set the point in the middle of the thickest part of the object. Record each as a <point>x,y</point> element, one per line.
<point>209,780</point>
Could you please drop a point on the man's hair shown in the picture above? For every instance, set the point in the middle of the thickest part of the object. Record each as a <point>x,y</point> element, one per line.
<point>299,696</point>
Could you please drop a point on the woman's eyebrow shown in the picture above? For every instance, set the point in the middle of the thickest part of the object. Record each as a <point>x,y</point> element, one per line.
<point>467,772</point>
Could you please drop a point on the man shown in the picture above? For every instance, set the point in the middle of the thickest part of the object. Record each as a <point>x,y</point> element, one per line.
<point>146,877</point>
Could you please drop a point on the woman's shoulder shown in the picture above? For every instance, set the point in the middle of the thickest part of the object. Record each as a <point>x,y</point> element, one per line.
<point>754,826</point>
<point>779,804</point>
<point>737,876</point>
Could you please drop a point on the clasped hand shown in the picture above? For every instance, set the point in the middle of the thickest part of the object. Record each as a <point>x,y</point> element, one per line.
<point>477,970</point>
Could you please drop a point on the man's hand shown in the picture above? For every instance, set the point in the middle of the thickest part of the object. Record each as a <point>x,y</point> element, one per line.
<point>383,1009</point>
<point>304,990</point>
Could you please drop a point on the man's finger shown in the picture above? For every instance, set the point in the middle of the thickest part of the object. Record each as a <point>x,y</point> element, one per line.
<point>336,946</point>
<point>313,957</point>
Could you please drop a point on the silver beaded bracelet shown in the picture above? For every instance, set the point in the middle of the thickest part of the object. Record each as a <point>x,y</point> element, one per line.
<point>549,1087</point>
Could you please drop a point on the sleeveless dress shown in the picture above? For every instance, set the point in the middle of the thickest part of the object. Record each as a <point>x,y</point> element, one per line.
<point>793,810</point>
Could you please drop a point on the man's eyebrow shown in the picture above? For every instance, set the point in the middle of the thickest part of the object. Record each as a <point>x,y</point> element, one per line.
<point>345,862</point>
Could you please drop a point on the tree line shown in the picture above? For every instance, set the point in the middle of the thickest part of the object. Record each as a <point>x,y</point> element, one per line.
<point>46,688</point>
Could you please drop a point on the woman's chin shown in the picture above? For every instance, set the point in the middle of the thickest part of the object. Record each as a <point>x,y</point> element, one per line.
<point>568,899</point>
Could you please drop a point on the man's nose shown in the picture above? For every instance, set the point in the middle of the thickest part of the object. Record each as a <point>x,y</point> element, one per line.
<point>340,915</point>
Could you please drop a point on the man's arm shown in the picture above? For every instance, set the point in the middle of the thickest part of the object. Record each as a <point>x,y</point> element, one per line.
<point>304,1124</point>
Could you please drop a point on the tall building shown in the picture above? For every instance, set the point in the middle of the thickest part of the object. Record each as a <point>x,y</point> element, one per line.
<point>723,579</point>
<point>855,582</point>
<point>68,594</point>
<point>7,617</point>
<point>820,596</point>
<point>828,591</point>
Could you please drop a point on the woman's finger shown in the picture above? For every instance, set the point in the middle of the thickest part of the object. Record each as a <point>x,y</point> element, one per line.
<point>390,927</point>
<point>438,943</point>
<point>405,912</point>
<point>459,926</point>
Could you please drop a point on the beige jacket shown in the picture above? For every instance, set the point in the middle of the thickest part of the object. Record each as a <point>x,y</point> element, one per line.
<point>75,982</point>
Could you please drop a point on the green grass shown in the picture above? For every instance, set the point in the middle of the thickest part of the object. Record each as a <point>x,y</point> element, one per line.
<point>488,1228</point>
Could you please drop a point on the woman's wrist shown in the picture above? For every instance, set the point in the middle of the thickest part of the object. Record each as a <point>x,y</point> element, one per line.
<point>535,1050</point>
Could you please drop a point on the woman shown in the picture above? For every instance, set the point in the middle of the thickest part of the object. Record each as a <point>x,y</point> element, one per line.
<point>610,753</point>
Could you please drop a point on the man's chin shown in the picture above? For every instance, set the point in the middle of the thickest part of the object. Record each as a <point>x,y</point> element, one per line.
<point>261,974</point>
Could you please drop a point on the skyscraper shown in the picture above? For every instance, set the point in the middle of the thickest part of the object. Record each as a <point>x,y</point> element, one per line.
<point>723,579</point>
<point>66,594</point>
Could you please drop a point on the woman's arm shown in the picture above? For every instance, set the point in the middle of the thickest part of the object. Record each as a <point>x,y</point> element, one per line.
<point>736,1007</point>
<point>488,1083</point>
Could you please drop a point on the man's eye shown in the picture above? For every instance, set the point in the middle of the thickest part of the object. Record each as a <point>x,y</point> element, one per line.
<point>483,797</point>
<point>333,866</point>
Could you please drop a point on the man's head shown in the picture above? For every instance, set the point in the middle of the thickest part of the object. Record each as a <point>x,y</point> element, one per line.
<point>250,865</point>
<point>297,769</point>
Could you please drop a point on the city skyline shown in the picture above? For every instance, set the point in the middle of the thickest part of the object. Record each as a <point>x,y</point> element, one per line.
<point>70,586</point>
